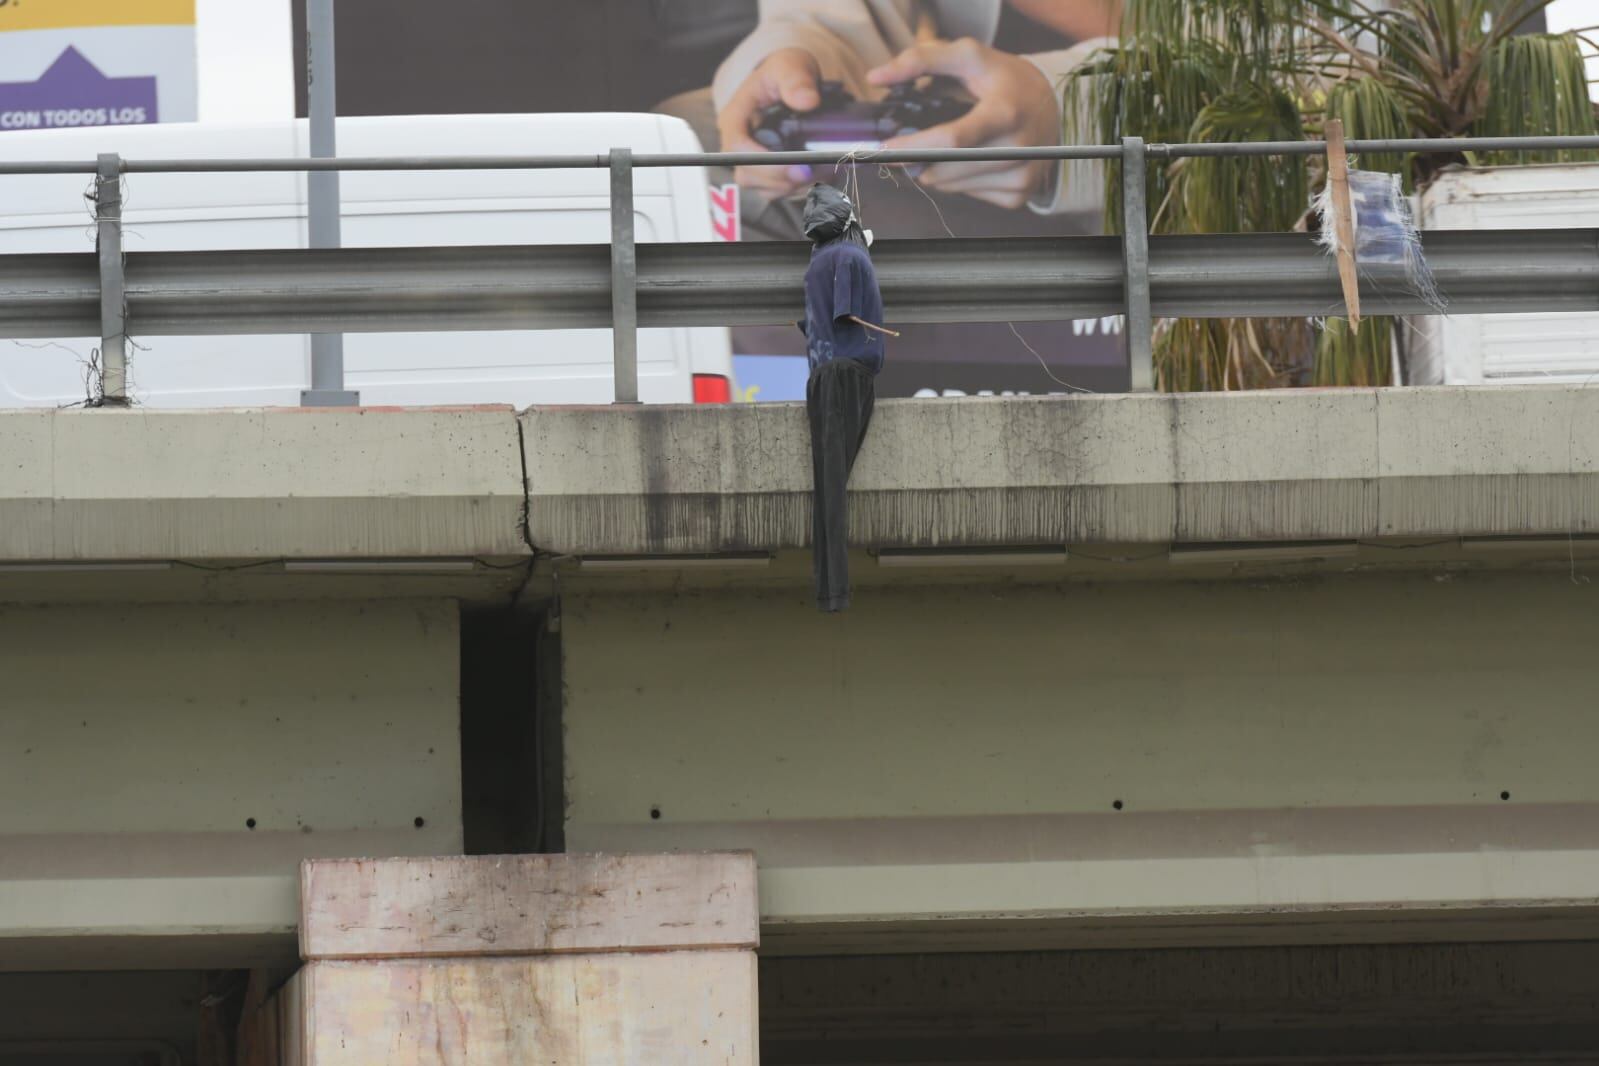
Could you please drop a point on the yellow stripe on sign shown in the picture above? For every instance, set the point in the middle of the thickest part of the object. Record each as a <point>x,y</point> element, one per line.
<point>65,14</point>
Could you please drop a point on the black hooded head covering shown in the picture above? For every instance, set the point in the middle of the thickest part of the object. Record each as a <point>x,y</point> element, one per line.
<point>829,216</point>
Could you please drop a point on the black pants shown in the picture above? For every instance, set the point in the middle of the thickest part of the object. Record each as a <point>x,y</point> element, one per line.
<point>838,398</point>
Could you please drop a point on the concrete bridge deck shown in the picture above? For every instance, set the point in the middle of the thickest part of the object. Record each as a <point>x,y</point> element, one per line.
<point>491,484</point>
<point>235,639</point>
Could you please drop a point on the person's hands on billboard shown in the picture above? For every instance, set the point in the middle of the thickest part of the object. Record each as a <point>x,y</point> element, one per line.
<point>1015,107</point>
<point>790,76</point>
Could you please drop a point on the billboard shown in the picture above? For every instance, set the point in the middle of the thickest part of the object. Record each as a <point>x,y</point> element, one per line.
<point>748,74</point>
<point>66,63</point>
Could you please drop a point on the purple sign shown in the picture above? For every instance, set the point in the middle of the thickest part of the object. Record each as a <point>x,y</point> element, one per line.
<point>73,92</point>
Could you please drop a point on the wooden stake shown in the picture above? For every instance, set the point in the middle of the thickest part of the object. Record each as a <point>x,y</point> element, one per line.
<point>868,325</point>
<point>1343,219</point>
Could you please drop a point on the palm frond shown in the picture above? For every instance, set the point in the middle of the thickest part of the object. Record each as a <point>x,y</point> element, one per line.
<point>1363,359</point>
<point>1539,88</point>
<point>1238,70</point>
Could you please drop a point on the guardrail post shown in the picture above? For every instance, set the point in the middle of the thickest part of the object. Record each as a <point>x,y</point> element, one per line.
<point>323,213</point>
<point>624,278</point>
<point>1139,326</point>
<point>113,281</point>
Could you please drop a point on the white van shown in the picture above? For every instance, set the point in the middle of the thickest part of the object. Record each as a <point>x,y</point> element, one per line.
<point>174,212</point>
<point>1507,349</point>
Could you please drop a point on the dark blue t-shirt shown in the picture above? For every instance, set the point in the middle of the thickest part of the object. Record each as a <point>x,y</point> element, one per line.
<point>842,282</point>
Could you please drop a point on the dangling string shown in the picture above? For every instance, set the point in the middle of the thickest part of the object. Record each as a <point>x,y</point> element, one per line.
<point>886,170</point>
<point>852,178</point>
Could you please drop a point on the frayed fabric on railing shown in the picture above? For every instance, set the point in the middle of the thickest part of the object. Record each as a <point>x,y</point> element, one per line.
<point>1387,244</point>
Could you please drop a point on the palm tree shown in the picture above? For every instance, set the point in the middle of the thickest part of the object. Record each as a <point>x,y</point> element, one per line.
<point>1261,70</point>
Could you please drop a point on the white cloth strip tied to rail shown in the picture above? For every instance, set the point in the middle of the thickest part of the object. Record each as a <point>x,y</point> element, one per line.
<point>1385,234</point>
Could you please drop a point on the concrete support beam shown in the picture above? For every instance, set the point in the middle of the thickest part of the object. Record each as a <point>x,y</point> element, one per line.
<point>1053,470</point>
<point>1328,744</point>
<point>565,960</point>
<point>101,486</point>
<point>596,903</point>
<point>1384,758</point>
<point>253,484</point>
<point>164,770</point>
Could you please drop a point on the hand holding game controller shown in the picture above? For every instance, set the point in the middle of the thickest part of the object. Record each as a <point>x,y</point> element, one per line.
<point>785,106</point>
<point>1015,107</point>
<point>841,123</point>
<point>789,76</point>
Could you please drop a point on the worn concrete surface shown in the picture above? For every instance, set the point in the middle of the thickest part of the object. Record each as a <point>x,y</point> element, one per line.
<point>164,769</point>
<point>1053,470</point>
<point>907,756</point>
<point>389,484</point>
<point>603,960</point>
<point>675,1008</point>
<point>481,905</point>
<point>253,484</point>
<point>1335,756</point>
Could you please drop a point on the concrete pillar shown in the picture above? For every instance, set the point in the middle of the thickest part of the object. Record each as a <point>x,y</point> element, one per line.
<point>557,959</point>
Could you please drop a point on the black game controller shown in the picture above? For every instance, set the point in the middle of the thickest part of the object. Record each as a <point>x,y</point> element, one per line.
<point>840,121</point>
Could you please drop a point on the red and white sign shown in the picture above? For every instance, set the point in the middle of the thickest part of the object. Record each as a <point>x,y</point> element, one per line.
<point>724,212</point>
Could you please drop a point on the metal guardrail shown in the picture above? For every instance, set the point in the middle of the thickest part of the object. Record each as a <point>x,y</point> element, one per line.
<point>331,290</point>
<point>974,279</point>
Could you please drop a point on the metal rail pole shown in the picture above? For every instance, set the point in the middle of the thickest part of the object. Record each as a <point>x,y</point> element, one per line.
<point>624,278</point>
<point>113,282</point>
<point>322,188</point>
<point>1139,326</point>
<point>726,159</point>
